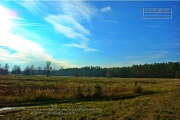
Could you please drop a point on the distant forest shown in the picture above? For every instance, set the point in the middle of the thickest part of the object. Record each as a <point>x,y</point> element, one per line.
<point>155,70</point>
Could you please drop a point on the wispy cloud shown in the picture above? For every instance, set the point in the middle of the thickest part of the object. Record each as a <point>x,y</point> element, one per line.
<point>11,18</point>
<point>33,6</point>
<point>77,10</point>
<point>26,51</point>
<point>106,9</point>
<point>69,22</point>
<point>68,26</point>
<point>83,46</point>
<point>65,17</point>
<point>26,24</point>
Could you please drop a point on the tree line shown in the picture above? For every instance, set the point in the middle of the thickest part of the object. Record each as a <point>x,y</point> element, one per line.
<point>155,70</point>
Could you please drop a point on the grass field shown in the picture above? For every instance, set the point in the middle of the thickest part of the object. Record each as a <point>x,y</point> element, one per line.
<point>72,98</point>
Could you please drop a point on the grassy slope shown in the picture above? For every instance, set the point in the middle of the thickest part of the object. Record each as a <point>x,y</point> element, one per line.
<point>159,99</point>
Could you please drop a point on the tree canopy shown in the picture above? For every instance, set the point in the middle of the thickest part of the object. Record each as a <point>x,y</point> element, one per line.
<point>155,70</point>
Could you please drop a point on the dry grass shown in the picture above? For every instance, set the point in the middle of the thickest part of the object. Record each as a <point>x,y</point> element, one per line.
<point>150,107</point>
<point>39,88</point>
<point>159,99</point>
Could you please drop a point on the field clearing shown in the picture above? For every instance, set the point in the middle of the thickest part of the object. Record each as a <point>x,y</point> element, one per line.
<point>89,98</point>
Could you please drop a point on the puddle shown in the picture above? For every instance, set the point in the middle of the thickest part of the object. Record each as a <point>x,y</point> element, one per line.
<point>7,110</point>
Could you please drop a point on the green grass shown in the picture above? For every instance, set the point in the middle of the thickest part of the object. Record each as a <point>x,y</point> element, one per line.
<point>102,98</point>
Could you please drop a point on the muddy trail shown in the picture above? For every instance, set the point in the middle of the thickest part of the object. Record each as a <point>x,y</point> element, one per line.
<point>18,107</point>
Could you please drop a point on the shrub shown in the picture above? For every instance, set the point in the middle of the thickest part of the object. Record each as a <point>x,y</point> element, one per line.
<point>138,89</point>
<point>79,93</point>
<point>98,91</point>
<point>88,95</point>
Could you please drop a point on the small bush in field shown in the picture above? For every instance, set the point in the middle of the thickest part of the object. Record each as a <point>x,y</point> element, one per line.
<point>138,89</point>
<point>79,93</point>
<point>98,91</point>
<point>88,92</point>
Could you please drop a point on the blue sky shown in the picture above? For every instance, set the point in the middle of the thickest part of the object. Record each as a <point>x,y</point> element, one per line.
<point>86,33</point>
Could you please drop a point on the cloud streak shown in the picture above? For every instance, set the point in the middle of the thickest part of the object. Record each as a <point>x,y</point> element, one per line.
<point>68,26</point>
<point>77,10</point>
<point>69,23</point>
<point>25,24</point>
<point>66,18</point>
<point>83,46</point>
<point>106,9</point>
<point>26,51</point>
<point>34,6</point>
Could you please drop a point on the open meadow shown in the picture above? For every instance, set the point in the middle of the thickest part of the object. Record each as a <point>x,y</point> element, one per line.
<point>88,98</point>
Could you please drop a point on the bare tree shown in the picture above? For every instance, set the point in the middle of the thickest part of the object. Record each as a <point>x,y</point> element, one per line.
<point>32,70</point>
<point>27,71</point>
<point>6,69</point>
<point>16,70</point>
<point>48,67</point>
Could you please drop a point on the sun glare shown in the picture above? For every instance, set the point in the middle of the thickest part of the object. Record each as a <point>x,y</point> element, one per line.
<point>6,19</point>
